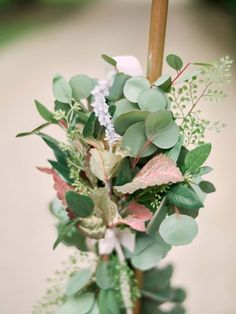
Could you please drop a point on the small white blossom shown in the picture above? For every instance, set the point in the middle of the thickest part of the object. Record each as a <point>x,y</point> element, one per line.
<point>101,108</point>
<point>126,290</point>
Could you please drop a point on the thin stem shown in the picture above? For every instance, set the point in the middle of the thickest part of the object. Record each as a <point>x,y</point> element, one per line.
<point>179,73</point>
<point>199,98</point>
<point>136,160</point>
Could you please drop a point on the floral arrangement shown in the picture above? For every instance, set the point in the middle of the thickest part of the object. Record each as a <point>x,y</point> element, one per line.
<point>129,181</point>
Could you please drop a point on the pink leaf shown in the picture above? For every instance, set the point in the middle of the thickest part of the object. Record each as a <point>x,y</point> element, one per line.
<point>159,170</point>
<point>59,185</point>
<point>139,214</point>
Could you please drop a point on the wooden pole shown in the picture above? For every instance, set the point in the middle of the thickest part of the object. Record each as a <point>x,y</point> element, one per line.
<point>157,38</point>
<point>157,34</point>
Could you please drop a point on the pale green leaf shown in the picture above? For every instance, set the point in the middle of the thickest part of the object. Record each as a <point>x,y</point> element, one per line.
<point>178,229</point>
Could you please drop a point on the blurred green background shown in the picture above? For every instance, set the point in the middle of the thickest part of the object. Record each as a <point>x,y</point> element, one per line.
<point>22,16</point>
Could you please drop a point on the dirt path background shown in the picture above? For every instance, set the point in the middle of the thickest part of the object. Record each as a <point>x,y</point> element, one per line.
<point>206,268</point>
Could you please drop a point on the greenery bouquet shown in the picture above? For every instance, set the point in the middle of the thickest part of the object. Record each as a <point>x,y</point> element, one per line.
<point>129,180</point>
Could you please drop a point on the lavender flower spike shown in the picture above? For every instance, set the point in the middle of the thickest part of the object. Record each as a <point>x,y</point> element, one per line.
<point>100,107</point>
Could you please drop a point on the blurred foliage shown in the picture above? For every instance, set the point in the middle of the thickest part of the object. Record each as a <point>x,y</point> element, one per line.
<point>230,5</point>
<point>18,17</point>
<point>13,3</point>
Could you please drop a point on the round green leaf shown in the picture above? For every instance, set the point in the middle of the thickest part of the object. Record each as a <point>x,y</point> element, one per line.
<point>147,259</point>
<point>81,86</point>
<point>207,187</point>
<point>161,129</point>
<point>81,205</point>
<point>174,62</point>
<point>78,281</point>
<point>125,120</point>
<point>116,90</point>
<point>135,139</point>
<point>61,89</point>
<point>178,229</point>
<point>134,86</point>
<point>152,100</point>
<point>164,82</point>
<point>103,277</point>
<point>124,106</point>
<point>81,304</point>
<point>151,255</point>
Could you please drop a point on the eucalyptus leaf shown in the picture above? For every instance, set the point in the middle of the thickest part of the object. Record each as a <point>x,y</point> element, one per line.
<point>178,229</point>
<point>103,275</point>
<point>137,147</point>
<point>157,278</point>
<point>124,106</point>
<point>78,281</point>
<point>183,197</point>
<point>157,218</point>
<point>125,120</point>
<point>151,254</point>
<point>81,85</point>
<point>148,258</point>
<point>72,237</point>
<point>174,152</point>
<point>116,90</point>
<point>174,62</point>
<point>107,302</point>
<point>164,82</point>
<point>61,89</point>
<point>161,129</point>
<point>81,205</point>
<point>196,157</point>
<point>81,304</point>
<point>152,100</point>
<point>143,241</point>
<point>58,211</point>
<point>207,187</point>
<point>134,86</point>
<point>61,106</point>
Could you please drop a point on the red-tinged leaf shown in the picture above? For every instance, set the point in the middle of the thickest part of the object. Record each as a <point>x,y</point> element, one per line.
<point>159,170</point>
<point>139,214</point>
<point>60,186</point>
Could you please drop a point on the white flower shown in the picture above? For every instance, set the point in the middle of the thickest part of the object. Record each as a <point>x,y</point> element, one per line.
<point>101,108</point>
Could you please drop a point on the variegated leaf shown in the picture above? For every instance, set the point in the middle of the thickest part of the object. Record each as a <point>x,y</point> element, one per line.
<point>159,170</point>
<point>104,163</point>
<point>105,208</point>
<point>60,186</point>
<point>138,215</point>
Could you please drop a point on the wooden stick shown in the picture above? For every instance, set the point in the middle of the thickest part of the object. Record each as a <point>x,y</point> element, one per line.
<point>139,278</point>
<point>157,33</point>
<point>157,38</point>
